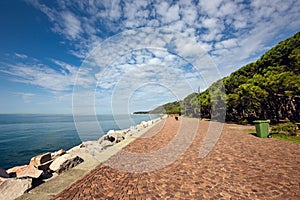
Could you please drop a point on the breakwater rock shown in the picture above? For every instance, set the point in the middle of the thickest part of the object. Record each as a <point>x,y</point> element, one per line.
<point>41,168</point>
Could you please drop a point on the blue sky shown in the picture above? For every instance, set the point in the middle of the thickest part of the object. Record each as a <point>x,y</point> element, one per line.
<point>122,56</point>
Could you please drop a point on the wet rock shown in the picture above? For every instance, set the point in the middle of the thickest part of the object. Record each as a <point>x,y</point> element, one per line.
<point>65,162</point>
<point>13,188</point>
<point>24,171</point>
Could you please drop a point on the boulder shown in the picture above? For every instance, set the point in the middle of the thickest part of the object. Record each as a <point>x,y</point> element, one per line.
<point>139,127</point>
<point>45,166</point>
<point>3,173</point>
<point>101,139</point>
<point>57,153</point>
<point>65,162</point>
<point>40,159</point>
<point>110,131</point>
<point>115,137</point>
<point>25,171</point>
<point>105,144</point>
<point>144,124</point>
<point>43,161</point>
<point>13,188</point>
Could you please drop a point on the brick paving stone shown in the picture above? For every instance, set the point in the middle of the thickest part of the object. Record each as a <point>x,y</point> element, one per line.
<point>240,166</point>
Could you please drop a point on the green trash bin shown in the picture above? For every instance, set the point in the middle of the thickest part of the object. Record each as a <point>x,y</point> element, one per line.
<point>262,128</point>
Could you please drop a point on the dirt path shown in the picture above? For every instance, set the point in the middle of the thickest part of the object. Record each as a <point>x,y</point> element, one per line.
<point>240,166</point>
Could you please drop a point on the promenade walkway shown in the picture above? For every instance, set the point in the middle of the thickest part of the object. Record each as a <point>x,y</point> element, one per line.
<point>240,166</point>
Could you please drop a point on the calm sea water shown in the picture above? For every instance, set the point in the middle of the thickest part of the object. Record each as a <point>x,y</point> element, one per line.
<point>25,136</point>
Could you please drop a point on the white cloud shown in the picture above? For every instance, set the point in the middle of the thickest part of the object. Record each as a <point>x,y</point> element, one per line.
<point>26,97</point>
<point>233,32</point>
<point>23,56</point>
<point>208,21</point>
<point>135,58</point>
<point>227,44</point>
<point>71,25</point>
<point>214,26</point>
<point>210,7</point>
<point>113,9</point>
<point>227,8</point>
<point>46,77</point>
<point>40,76</point>
<point>189,12</point>
<point>171,14</point>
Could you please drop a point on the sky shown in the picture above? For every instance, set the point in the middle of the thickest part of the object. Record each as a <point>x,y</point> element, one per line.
<point>121,56</point>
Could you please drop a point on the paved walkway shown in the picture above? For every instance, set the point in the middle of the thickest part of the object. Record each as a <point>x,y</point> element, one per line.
<point>240,166</point>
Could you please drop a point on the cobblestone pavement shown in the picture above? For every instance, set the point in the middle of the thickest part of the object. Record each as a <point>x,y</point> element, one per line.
<point>240,166</point>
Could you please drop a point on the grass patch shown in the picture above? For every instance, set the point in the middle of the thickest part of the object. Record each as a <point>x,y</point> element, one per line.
<point>295,139</point>
<point>281,136</point>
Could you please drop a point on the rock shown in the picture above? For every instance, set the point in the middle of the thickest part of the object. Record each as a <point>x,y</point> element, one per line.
<point>92,150</point>
<point>13,188</point>
<point>3,173</point>
<point>115,137</point>
<point>110,131</point>
<point>40,159</point>
<point>25,171</point>
<point>101,139</point>
<point>57,153</point>
<point>144,124</point>
<point>139,127</point>
<point>2,180</point>
<point>45,166</point>
<point>106,143</point>
<point>65,162</point>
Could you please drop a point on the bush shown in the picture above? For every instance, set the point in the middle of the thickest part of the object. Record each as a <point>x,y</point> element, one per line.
<point>288,129</point>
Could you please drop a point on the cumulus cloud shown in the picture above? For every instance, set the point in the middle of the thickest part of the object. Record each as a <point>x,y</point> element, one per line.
<point>231,32</point>
<point>212,23</point>
<point>168,13</point>
<point>142,58</point>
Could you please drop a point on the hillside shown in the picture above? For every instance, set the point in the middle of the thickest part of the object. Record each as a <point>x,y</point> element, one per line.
<point>266,89</point>
<point>169,108</point>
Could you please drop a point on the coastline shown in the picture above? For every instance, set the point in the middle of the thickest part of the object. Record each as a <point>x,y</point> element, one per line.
<point>236,151</point>
<point>25,136</point>
<point>86,157</point>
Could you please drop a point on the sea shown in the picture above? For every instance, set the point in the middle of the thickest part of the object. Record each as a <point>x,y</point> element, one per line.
<point>23,136</point>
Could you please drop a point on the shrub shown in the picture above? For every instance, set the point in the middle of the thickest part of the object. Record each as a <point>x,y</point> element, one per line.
<point>288,129</point>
